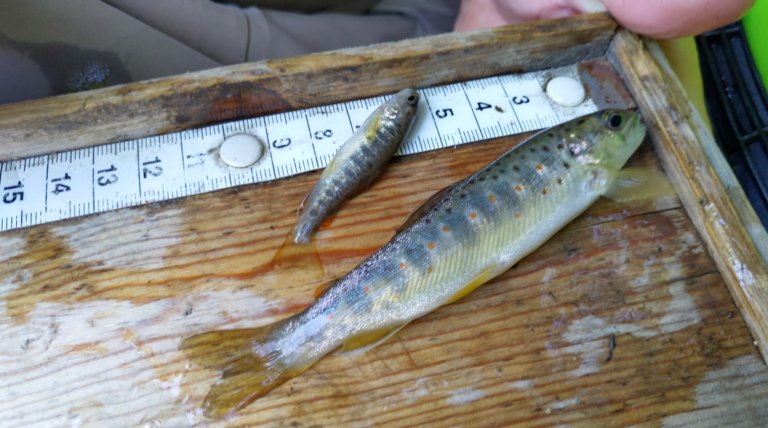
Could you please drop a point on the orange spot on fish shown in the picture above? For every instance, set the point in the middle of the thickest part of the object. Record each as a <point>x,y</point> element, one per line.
<point>491,198</point>
<point>472,216</point>
<point>446,229</point>
<point>431,245</point>
<point>402,265</point>
<point>539,167</point>
<point>429,269</point>
<point>366,290</point>
<point>544,191</point>
<point>517,215</point>
<point>518,188</point>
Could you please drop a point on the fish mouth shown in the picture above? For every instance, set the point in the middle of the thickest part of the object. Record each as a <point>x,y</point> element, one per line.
<point>409,96</point>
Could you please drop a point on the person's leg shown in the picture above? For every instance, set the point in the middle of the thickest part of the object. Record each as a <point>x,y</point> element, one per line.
<point>231,34</point>
<point>83,44</point>
<point>277,34</point>
<point>49,48</point>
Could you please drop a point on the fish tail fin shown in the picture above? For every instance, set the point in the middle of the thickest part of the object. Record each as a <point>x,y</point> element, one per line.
<point>301,257</point>
<point>246,373</point>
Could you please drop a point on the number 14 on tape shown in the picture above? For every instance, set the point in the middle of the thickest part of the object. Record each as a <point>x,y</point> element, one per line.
<point>129,173</point>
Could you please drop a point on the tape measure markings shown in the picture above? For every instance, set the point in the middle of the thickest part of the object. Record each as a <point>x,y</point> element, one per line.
<point>84,181</point>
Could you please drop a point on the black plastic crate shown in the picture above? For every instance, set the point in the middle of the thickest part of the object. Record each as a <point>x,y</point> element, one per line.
<point>738,109</point>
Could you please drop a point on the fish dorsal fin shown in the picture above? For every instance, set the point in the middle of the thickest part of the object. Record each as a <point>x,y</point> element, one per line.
<point>428,205</point>
<point>368,340</point>
<point>638,183</point>
<point>322,287</point>
<point>481,278</point>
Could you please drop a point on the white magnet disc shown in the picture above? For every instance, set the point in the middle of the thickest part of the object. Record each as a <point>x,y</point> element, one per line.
<point>241,150</point>
<point>566,91</point>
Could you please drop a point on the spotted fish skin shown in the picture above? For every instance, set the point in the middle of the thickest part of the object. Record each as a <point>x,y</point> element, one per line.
<point>358,162</point>
<point>478,229</point>
<point>470,233</point>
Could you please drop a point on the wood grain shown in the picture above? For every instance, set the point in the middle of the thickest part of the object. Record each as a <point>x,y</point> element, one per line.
<point>93,318</point>
<point>705,182</point>
<point>621,319</point>
<point>193,99</point>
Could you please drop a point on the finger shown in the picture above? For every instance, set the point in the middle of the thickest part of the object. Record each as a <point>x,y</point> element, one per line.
<point>475,14</point>
<point>666,19</point>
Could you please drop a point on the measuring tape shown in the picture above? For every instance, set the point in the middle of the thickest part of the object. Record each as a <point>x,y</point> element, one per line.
<point>75,183</point>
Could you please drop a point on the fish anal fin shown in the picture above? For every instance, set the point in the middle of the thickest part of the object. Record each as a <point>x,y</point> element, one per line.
<point>481,278</point>
<point>634,183</point>
<point>370,339</point>
<point>246,374</point>
<point>427,205</point>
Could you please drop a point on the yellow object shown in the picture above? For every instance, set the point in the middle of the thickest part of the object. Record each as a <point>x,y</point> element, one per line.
<point>757,37</point>
<point>684,59</point>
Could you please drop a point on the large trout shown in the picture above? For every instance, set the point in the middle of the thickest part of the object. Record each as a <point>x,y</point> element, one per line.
<point>461,238</point>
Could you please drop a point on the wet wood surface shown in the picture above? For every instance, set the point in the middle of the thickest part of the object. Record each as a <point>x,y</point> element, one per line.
<point>705,182</point>
<point>623,318</point>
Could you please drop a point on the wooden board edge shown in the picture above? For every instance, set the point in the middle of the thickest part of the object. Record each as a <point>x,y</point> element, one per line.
<point>707,187</point>
<point>194,99</point>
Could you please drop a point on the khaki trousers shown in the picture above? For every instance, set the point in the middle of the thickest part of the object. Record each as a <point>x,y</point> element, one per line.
<point>49,47</point>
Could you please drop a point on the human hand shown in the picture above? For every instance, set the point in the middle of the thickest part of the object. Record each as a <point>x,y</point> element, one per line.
<point>656,18</point>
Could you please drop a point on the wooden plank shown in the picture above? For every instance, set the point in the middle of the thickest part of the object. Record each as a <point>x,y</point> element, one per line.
<point>193,99</point>
<point>92,311</point>
<point>710,192</point>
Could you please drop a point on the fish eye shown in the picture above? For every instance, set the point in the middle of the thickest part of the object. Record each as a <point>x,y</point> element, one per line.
<point>614,121</point>
<point>413,99</point>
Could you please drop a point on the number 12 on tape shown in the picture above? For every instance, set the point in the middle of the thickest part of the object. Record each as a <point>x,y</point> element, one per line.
<point>79,182</point>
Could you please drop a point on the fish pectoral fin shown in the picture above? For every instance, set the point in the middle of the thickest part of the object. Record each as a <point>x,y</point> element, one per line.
<point>301,207</point>
<point>371,125</point>
<point>481,278</point>
<point>638,183</point>
<point>245,375</point>
<point>332,166</point>
<point>427,205</point>
<point>369,340</point>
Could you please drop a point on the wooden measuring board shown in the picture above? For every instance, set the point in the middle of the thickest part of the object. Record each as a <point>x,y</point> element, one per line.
<point>623,318</point>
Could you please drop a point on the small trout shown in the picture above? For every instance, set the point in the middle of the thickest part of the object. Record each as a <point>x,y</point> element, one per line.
<point>461,238</point>
<point>358,161</point>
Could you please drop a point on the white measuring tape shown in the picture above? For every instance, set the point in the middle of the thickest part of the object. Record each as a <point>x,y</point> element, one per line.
<point>75,183</point>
